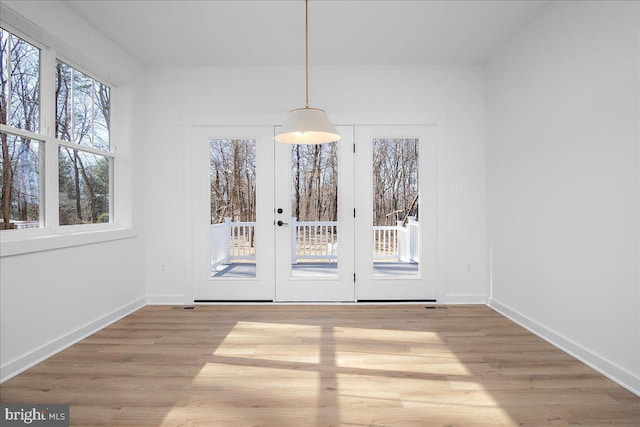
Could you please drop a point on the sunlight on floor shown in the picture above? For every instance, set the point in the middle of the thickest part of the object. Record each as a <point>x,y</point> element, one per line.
<point>251,339</point>
<point>310,368</point>
<point>376,335</point>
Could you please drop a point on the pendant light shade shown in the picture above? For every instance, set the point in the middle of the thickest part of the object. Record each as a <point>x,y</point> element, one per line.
<point>307,125</point>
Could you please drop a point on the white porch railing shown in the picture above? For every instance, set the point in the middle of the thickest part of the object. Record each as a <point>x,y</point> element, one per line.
<point>385,242</point>
<point>411,250</point>
<point>20,225</point>
<point>232,241</point>
<point>317,240</point>
<point>313,240</point>
<point>397,242</point>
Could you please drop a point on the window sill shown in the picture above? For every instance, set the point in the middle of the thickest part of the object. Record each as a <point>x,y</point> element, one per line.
<point>18,242</point>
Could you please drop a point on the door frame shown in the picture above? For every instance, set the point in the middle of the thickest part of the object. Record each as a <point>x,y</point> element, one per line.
<point>206,288</point>
<point>190,121</point>
<point>424,285</point>
<point>340,288</point>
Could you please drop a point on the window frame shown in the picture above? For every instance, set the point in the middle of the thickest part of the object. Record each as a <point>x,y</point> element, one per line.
<point>23,133</point>
<point>109,155</point>
<point>52,235</point>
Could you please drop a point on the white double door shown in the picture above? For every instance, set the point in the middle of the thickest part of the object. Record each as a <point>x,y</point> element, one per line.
<point>336,256</point>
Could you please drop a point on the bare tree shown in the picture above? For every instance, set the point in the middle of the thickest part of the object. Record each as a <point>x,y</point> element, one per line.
<point>296,181</point>
<point>232,180</point>
<point>315,181</point>
<point>395,179</point>
<point>83,117</point>
<point>19,107</point>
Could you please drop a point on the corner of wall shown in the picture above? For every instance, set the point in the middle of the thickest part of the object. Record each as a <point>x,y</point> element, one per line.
<point>38,355</point>
<point>624,378</point>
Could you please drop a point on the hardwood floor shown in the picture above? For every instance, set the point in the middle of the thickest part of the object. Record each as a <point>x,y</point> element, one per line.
<point>306,365</point>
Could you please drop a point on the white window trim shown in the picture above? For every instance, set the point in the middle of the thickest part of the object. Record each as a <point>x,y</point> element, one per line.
<point>52,235</point>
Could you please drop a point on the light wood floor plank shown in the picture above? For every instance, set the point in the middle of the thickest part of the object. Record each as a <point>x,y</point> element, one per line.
<point>306,365</point>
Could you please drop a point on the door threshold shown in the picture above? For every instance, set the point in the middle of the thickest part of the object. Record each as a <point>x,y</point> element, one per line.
<point>398,301</point>
<point>232,301</point>
<point>359,302</point>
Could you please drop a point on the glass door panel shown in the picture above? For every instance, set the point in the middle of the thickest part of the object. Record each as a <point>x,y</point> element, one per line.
<point>314,208</point>
<point>232,172</point>
<point>314,221</point>
<point>232,175</point>
<point>396,246</point>
<point>395,190</point>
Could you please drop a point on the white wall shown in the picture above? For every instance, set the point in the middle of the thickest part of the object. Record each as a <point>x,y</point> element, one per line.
<point>176,94</point>
<point>49,299</point>
<point>562,179</point>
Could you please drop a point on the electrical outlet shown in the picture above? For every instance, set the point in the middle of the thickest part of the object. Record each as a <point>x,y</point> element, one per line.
<point>456,190</point>
<point>163,268</point>
<point>467,266</point>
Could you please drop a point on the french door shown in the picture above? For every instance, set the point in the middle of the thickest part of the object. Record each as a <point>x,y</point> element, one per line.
<point>396,213</point>
<point>271,222</point>
<point>232,191</point>
<point>348,221</point>
<point>314,218</point>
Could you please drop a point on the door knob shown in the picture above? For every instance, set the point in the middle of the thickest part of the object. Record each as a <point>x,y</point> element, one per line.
<point>280,223</point>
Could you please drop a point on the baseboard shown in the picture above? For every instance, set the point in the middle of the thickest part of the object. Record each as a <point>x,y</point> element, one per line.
<point>166,300</point>
<point>465,299</point>
<point>25,362</point>
<point>610,370</point>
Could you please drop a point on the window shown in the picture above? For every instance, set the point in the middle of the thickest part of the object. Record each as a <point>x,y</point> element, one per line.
<point>21,158</point>
<point>83,187</point>
<point>50,109</point>
<point>20,83</point>
<point>84,159</point>
<point>82,108</point>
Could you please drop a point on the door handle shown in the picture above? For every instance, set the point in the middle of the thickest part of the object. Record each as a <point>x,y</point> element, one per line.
<point>280,223</point>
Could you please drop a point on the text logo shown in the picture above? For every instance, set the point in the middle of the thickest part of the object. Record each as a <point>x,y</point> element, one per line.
<point>34,415</point>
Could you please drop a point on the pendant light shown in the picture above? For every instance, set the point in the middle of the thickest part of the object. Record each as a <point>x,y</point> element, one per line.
<point>307,125</point>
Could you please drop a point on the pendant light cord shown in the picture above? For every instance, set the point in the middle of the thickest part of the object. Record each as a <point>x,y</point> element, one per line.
<point>306,51</point>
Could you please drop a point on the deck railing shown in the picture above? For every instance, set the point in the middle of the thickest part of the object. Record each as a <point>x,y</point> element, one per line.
<point>385,242</point>
<point>232,241</point>
<point>313,240</point>
<point>20,225</point>
<point>397,242</point>
<point>409,241</point>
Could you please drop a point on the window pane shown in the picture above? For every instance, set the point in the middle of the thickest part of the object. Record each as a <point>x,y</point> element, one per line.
<point>314,210</point>
<point>20,162</point>
<point>63,101</point>
<point>82,108</point>
<point>232,168</point>
<point>101,95</point>
<point>4,76</point>
<point>84,187</point>
<point>396,227</point>
<point>20,80</point>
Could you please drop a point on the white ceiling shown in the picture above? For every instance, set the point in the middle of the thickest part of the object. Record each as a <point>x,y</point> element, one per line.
<point>341,32</point>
